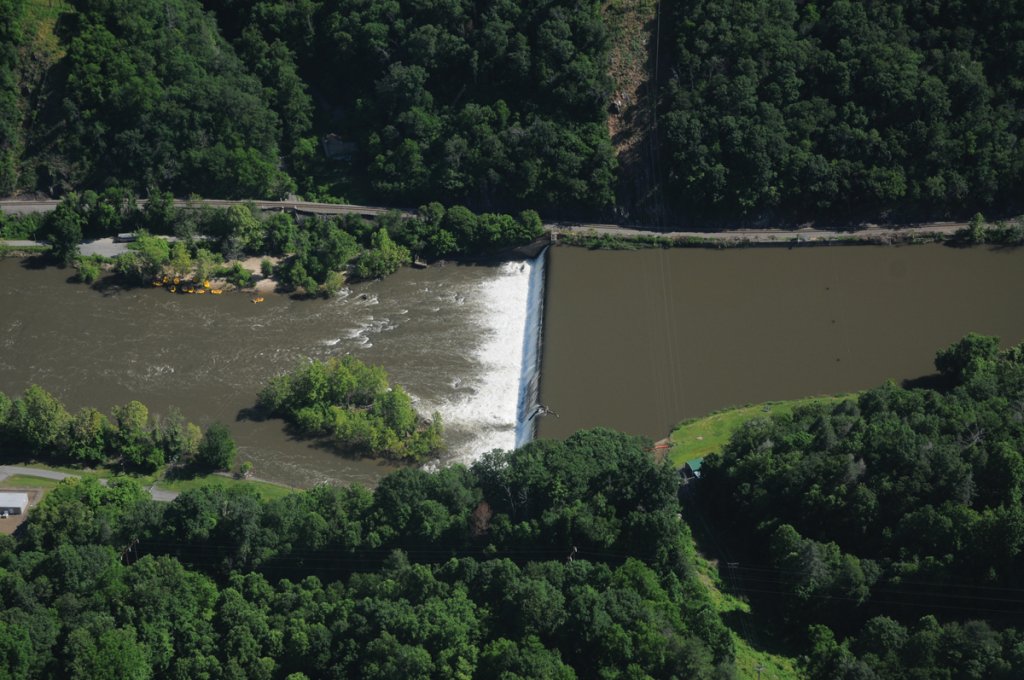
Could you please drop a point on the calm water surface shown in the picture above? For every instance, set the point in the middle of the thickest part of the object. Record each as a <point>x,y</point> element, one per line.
<point>641,340</point>
<point>452,336</point>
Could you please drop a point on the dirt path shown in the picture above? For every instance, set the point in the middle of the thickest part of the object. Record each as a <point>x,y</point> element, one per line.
<point>871,232</point>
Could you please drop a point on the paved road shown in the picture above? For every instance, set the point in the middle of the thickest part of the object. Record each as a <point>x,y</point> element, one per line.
<point>869,231</point>
<point>24,207</point>
<point>8,470</point>
<point>106,247</point>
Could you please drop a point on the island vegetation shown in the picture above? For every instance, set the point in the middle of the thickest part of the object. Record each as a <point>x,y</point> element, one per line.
<point>559,560</point>
<point>352,406</point>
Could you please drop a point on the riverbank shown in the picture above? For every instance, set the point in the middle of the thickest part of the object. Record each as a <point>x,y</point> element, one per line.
<point>614,238</point>
<point>699,437</point>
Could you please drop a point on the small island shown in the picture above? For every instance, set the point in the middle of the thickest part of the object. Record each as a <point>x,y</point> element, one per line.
<point>352,406</point>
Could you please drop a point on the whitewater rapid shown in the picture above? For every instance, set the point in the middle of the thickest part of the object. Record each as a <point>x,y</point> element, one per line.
<point>509,313</point>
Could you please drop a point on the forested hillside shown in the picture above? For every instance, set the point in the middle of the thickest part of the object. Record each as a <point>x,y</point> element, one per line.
<point>560,560</point>
<point>843,109</point>
<point>497,105</point>
<point>895,519</point>
<point>769,112</point>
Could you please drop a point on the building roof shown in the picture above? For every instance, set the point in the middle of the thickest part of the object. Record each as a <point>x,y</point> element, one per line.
<point>13,499</point>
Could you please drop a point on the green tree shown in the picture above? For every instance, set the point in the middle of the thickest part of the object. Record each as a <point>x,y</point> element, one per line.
<point>87,437</point>
<point>63,228</point>
<point>146,257</point>
<point>40,422</point>
<point>94,655</point>
<point>133,438</point>
<point>217,450</point>
<point>383,258</point>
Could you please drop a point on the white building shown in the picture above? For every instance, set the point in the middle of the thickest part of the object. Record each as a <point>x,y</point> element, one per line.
<point>13,503</point>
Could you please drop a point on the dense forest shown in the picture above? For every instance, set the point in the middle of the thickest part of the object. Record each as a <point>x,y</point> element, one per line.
<point>768,112</point>
<point>499,105</point>
<point>787,110</point>
<point>893,522</point>
<point>559,560</point>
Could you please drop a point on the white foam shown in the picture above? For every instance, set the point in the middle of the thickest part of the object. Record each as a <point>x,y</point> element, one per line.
<point>491,410</point>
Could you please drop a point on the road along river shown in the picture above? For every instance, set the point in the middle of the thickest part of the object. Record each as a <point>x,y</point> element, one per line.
<point>453,336</point>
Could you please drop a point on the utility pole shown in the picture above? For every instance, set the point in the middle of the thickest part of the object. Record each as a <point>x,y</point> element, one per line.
<point>760,667</point>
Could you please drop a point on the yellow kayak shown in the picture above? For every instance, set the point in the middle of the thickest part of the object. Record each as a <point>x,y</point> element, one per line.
<point>257,299</point>
<point>216,291</point>
<point>206,284</point>
<point>200,292</point>
<point>176,280</point>
<point>173,289</point>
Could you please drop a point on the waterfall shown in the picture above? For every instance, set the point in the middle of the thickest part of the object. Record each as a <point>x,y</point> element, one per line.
<point>533,332</point>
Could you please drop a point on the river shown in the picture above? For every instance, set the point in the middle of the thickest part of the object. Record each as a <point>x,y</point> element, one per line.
<point>453,336</point>
<point>641,340</point>
<point>632,340</point>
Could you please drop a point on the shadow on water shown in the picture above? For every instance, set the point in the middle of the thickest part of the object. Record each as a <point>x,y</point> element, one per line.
<point>932,381</point>
<point>37,262</point>
<point>252,414</point>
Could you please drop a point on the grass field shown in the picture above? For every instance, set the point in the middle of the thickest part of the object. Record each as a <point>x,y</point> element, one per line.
<point>28,482</point>
<point>774,666</point>
<point>267,490</point>
<point>698,437</point>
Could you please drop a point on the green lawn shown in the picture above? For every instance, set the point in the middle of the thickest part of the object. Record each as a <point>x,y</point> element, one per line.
<point>701,436</point>
<point>28,482</point>
<point>267,490</point>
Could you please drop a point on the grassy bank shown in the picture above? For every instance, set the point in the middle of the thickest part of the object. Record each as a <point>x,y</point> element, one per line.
<point>595,241</point>
<point>698,437</point>
<point>268,490</point>
<point>28,482</point>
<point>750,655</point>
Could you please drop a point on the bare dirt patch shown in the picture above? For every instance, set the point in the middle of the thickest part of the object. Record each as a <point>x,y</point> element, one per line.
<point>633,67</point>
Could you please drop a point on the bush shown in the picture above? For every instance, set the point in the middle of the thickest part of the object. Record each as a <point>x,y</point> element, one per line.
<point>238,275</point>
<point>88,270</point>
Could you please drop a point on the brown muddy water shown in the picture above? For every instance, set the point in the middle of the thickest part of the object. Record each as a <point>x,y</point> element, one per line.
<point>640,340</point>
<point>452,336</point>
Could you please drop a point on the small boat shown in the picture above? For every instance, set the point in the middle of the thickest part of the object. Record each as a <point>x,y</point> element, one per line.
<point>173,289</point>
<point>206,284</point>
<point>201,292</point>
<point>176,280</point>
<point>158,282</point>
<point>216,291</point>
<point>164,280</point>
<point>257,299</point>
